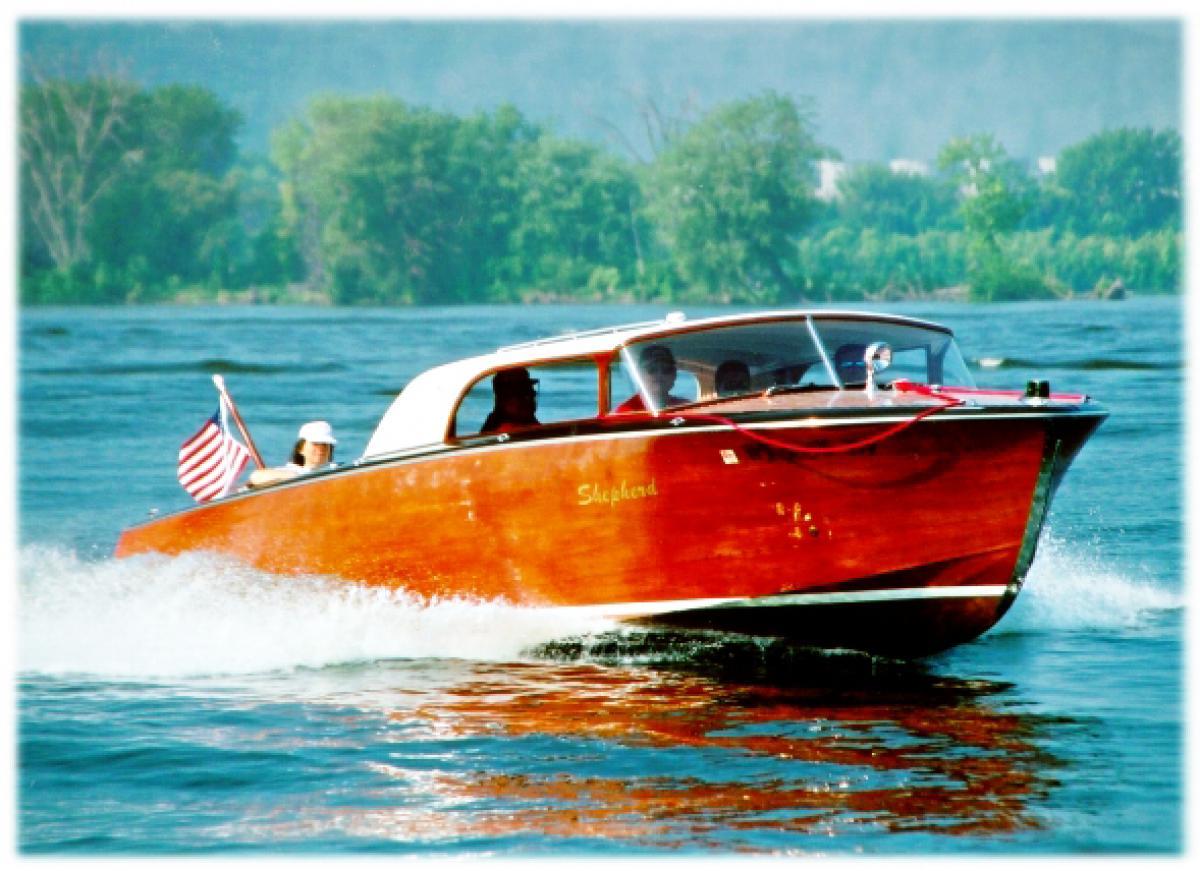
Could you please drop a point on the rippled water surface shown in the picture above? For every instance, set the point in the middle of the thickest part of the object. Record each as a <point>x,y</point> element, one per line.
<point>194,706</point>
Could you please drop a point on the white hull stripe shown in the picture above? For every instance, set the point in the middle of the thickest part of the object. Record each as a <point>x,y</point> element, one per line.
<point>641,609</point>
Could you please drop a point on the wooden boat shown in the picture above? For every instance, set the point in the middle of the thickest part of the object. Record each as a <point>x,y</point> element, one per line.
<point>853,490</point>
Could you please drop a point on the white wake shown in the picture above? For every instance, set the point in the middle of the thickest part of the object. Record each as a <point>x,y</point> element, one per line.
<point>196,615</point>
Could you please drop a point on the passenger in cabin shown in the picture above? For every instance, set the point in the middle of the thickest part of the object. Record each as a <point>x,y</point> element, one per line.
<point>851,365</point>
<point>789,376</point>
<point>313,450</point>
<point>732,378</point>
<point>516,401</point>
<point>656,364</point>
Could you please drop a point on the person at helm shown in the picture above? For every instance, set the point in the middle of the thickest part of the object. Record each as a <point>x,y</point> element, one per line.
<point>313,450</point>
<point>850,363</point>
<point>515,401</point>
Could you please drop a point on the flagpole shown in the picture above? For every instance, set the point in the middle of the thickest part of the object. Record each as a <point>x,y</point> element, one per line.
<point>237,418</point>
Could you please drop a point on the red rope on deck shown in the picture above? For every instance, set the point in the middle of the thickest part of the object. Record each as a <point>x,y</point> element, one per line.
<point>948,402</point>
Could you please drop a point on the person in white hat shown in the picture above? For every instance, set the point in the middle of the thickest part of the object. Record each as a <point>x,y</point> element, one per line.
<point>313,450</point>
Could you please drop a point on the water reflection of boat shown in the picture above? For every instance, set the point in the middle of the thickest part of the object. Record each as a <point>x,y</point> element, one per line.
<point>824,488</point>
<point>680,756</point>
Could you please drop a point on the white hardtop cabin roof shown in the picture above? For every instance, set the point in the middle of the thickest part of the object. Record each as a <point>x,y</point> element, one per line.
<point>420,415</point>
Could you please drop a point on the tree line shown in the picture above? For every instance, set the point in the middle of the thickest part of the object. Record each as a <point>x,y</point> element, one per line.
<point>140,195</point>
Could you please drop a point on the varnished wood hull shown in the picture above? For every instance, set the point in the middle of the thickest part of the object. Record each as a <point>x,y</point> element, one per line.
<point>908,546</point>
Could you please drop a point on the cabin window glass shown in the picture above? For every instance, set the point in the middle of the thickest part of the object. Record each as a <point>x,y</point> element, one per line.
<point>761,355</point>
<point>947,366</point>
<point>685,388</point>
<point>563,392</point>
<point>919,354</point>
<point>911,364</point>
<point>787,353</point>
<point>567,391</point>
<point>474,408</point>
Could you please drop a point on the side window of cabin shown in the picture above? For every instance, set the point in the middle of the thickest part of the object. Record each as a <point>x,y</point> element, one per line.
<point>474,408</point>
<point>562,392</point>
<point>687,384</point>
<point>567,391</point>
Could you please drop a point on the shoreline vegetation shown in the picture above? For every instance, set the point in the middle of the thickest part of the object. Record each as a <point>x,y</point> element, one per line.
<point>302,296</point>
<point>141,196</point>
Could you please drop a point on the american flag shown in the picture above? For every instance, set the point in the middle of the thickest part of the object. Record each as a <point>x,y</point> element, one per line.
<point>211,460</point>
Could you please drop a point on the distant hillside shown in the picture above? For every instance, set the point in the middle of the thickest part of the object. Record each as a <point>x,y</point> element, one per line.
<point>883,88</point>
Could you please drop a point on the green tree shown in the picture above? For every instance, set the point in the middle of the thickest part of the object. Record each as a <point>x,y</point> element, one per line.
<point>484,178</point>
<point>578,221</point>
<point>399,203</point>
<point>269,253</point>
<point>995,191</point>
<point>1122,182</point>
<point>125,190</point>
<point>731,194</point>
<point>75,146</point>
<point>876,198</point>
<point>995,194</point>
<point>171,221</point>
<point>847,264</point>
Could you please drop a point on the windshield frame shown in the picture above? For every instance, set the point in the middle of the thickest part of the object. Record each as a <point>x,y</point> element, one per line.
<point>816,330</point>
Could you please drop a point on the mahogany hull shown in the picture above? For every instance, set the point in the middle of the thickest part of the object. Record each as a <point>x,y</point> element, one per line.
<point>913,544</point>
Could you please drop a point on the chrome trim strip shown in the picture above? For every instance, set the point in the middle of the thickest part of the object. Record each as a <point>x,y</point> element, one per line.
<point>640,609</point>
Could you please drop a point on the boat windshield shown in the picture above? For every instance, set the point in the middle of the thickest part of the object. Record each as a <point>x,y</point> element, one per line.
<point>802,354</point>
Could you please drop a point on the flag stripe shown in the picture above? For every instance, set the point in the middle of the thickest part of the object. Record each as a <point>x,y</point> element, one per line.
<point>200,450</point>
<point>212,459</point>
<point>209,457</point>
<point>199,464</point>
<point>219,484</point>
<point>206,477</point>
<point>199,440</point>
<point>216,471</point>
<point>207,493</point>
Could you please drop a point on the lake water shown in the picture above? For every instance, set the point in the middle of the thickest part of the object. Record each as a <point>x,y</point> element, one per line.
<point>194,706</point>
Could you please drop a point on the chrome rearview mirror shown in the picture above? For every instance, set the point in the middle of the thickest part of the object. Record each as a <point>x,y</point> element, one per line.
<point>877,357</point>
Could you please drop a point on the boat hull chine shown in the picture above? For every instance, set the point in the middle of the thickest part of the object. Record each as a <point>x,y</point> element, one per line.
<point>912,612</point>
<point>902,627</point>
